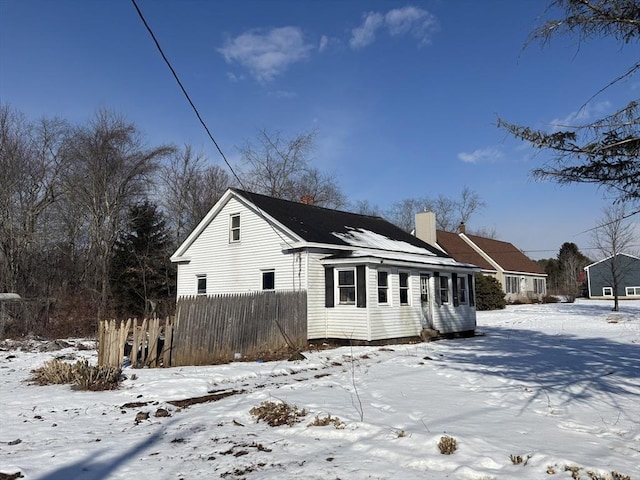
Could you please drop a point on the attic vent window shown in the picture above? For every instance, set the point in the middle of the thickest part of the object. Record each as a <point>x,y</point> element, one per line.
<point>234,228</point>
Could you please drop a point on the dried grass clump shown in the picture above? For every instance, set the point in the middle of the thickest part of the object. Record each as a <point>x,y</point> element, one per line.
<point>277,414</point>
<point>325,421</point>
<point>80,375</point>
<point>519,460</point>
<point>447,445</point>
<point>591,475</point>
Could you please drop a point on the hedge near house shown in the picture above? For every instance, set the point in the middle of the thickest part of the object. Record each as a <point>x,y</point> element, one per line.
<point>489,294</point>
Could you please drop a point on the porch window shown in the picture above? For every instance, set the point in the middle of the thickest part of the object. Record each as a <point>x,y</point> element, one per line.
<point>268,280</point>
<point>462,288</point>
<point>512,284</point>
<point>538,285</point>
<point>607,291</point>
<point>383,287</point>
<point>234,228</point>
<point>444,289</point>
<point>404,288</point>
<point>347,287</point>
<point>201,284</point>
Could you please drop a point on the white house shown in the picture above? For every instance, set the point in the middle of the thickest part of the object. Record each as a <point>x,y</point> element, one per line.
<point>365,278</point>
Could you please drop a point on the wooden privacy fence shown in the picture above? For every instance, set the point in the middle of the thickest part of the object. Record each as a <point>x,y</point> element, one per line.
<point>212,329</point>
<point>147,343</point>
<point>208,330</point>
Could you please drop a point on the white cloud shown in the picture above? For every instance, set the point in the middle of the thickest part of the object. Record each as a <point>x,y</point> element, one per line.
<point>412,21</point>
<point>267,53</point>
<point>581,116</point>
<point>324,42</point>
<point>366,33</point>
<point>488,154</point>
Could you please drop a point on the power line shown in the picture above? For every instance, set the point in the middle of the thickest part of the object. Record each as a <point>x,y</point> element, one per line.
<point>184,91</point>
<point>202,122</point>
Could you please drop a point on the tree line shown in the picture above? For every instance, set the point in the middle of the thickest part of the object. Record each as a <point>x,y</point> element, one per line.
<point>90,213</point>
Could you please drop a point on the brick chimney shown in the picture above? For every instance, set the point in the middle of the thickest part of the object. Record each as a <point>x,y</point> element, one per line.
<point>307,200</point>
<point>462,228</point>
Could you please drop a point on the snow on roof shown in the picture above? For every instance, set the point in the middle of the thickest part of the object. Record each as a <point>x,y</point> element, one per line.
<point>359,237</point>
<point>404,257</point>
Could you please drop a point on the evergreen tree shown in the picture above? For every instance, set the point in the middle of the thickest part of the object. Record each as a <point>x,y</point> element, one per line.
<point>142,276</point>
<point>489,294</point>
<point>571,263</point>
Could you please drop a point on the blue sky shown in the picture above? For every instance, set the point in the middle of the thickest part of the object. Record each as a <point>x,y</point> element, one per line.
<point>404,96</point>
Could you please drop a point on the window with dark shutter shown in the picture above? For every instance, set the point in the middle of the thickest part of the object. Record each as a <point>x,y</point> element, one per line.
<point>361,286</point>
<point>328,287</point>
<point>471,292</point>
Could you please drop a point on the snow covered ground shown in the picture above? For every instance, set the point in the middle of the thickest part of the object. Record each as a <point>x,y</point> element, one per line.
<point>557,385</point>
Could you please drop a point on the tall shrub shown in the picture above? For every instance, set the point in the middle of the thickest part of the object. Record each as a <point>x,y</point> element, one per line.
<point>489,294</point>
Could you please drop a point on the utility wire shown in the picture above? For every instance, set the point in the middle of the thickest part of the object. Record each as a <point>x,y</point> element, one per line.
<point>202,122</point>
<point>184,91</point>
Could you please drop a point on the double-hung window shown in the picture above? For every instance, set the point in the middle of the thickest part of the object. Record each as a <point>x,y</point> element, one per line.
<point>403,278</point>
<point>383,287</point>
<point>462,288</point>
<point>632,291</point>
<point>607,291</point>
<point>512,284</point>
<point>201,284</point>
<point>234,228</point>
<point>347,287</point>
<point>268,280</point>
<point>444,289</point>
<point>538,285</point>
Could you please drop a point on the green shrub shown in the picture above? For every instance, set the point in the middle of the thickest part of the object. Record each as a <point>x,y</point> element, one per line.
<point>489,294</point>
<point>80,375</point>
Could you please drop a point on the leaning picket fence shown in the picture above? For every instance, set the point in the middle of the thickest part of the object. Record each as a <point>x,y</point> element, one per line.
<point>147,343</point>
<point>210,329</point>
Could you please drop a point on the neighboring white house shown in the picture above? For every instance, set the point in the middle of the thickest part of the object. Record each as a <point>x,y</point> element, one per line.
<point>521,278</point>
<point>365,278</point>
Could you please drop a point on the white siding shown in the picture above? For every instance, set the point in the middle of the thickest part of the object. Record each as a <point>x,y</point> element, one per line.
<point>316,311</point>
<point>448,318</point>
<point>394,320</point>
<point>237,267</point>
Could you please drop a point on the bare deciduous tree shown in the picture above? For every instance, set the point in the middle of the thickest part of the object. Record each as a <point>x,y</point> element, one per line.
<point>363,207</point>
<point>110,169</point>
<point>31,166</point>
<point>190,187</point>
<point>281,167</point>
<point>613,236</point>
<point>450,212</point>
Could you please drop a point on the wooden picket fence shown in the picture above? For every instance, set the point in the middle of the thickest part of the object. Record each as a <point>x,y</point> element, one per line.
<point>208,330</point>
<point>147,343</point>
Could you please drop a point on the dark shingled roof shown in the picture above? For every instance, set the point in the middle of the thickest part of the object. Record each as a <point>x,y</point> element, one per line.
<point>316,224</point>
<point>504,254</point>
